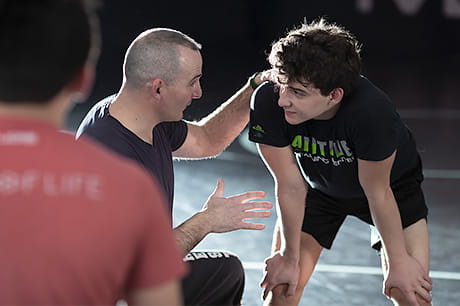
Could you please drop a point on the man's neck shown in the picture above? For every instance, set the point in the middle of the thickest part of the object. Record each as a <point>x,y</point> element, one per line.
<point>135,113</point>
<point>53,111</point>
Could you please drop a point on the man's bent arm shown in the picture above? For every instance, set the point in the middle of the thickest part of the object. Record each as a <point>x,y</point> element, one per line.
<point>222,214</point>
<point>191,232</point>
<point>212,134</point>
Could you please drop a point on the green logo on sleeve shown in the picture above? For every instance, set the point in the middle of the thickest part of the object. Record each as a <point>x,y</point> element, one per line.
<point>258,128</point>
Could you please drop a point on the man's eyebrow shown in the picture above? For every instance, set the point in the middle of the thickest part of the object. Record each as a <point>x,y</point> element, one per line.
<point>196,77</point>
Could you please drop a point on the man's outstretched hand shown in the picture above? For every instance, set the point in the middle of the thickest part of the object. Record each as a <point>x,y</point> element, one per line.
<point>226,214</point>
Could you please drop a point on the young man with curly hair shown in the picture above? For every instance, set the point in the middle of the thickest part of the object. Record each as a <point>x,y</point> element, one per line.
<point>336,146</point>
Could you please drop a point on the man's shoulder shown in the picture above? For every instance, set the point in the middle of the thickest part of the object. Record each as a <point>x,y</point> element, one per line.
<point>106,130</point>
<point>97,116</point>
<point>104,160</point>
<point>171,126</point>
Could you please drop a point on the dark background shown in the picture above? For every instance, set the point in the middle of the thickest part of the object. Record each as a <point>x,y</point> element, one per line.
<point>401,39</point>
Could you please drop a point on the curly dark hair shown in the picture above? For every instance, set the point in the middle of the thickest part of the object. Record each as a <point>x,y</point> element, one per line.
<point>319,54</point>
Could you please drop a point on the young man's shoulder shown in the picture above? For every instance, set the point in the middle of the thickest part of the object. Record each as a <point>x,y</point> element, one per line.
<point>367,92</point>
<point>266,93</point>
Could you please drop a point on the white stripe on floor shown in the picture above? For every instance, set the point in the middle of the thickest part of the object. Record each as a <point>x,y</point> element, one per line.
<point>253,265</point>
<point>442,173</point>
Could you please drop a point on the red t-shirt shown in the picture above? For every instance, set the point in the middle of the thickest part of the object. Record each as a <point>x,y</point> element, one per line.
<point>78,225</point>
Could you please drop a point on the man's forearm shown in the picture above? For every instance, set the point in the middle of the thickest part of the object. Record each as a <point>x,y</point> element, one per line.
<point>190,233</point>
<point>224,124</point>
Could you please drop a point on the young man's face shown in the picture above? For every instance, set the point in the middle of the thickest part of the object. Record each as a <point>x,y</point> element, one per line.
<point>302,103</point>
<point>187,85</point>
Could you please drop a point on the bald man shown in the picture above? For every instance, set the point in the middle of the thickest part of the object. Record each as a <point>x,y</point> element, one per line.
<point>162,71</point>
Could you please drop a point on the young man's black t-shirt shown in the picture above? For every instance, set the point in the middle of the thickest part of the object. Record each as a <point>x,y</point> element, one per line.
<point>366,126</point>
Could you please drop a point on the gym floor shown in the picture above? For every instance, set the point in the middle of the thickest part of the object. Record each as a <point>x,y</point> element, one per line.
<point>350,273</point>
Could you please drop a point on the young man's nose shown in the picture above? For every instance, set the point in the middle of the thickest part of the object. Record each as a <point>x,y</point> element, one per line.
<point>283,101</point>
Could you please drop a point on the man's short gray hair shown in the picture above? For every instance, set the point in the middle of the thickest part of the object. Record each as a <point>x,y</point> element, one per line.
<point>154,54</point>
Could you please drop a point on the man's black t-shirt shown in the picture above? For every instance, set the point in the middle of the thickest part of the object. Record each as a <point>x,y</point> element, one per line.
<point>99,125</point>
<point>366,126</point>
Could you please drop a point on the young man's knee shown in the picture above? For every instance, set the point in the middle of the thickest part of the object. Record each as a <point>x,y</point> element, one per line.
<point>278,296</point>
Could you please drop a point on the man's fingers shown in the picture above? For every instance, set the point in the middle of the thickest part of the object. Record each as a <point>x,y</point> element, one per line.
<point>219,190</point>
<point>257,205</point>
<point>257,214</point>
<point>252,226</point>
<point>248,196</point>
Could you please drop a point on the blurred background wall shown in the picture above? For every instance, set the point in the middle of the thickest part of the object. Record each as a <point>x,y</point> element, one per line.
<point>406,43</point>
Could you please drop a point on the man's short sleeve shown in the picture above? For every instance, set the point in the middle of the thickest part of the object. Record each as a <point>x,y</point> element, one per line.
<point>176,132</point>
<point>267,122</point>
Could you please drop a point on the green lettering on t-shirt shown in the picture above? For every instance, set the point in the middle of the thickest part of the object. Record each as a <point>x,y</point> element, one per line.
<point>306,144</point>
<point>297,142</point>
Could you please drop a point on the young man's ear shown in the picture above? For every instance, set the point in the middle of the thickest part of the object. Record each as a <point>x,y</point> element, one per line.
<point>336,95</point>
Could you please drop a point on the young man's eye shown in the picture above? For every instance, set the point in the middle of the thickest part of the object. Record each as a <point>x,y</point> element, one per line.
<point>297,92</point>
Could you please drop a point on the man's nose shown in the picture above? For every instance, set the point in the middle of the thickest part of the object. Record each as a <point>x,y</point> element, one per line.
<point>197,91</point>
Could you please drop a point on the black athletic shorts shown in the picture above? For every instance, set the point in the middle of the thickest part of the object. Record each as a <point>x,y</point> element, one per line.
<point>325,214</point>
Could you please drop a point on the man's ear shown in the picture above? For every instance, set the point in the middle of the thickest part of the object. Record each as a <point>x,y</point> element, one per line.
<point>156,86</point>
<point>83,82</point>
<point>336,95</point>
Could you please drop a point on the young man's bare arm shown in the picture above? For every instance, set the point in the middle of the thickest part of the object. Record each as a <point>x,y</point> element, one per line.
<point>291,190</point>
<point>405,272</point>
